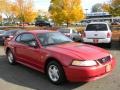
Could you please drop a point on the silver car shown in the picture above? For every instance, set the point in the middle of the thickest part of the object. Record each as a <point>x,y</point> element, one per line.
<point>71,33</point>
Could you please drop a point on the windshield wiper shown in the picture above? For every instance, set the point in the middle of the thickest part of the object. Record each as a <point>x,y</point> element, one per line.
<point>50,44</point>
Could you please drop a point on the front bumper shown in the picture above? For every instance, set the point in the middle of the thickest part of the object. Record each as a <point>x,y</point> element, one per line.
<point>85,74</point>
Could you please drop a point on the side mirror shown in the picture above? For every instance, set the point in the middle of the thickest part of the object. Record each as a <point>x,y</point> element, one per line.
<point>33,44</point>
<point>5,37</point>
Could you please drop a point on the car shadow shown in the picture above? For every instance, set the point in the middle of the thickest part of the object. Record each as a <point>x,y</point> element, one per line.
<point>114,46</point>
<point>26,77</point>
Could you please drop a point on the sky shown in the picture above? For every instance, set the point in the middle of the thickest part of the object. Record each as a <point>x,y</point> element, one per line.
<point>86,4</point>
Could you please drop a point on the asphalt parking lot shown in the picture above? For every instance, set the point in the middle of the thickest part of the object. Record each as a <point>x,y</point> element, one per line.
<point>19,77</point>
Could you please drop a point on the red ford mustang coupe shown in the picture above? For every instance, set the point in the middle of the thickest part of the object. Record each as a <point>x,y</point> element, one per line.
<point>59,57</point>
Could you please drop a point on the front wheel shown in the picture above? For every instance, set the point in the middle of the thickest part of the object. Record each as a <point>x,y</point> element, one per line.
<point>10,57</point>
<point>55,73</point>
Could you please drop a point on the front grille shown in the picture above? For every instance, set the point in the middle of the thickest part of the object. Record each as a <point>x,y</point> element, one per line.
<point>104,60</point>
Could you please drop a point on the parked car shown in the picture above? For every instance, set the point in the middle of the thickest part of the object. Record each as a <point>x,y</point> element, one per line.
<point>2,32</point>
<point>115,23</point>
<point>23,24</point>
<point>59,57</point>
<point>97,32</point>
<point>9,34</point>
<point>71,33</point>
<point>42,23</point>
<point>1,38</point>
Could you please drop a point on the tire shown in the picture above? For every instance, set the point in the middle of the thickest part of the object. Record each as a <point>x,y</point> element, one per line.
<point>109,45</point>
<point>10,57</point>
<point>74,39</point>
<point>55,73</point>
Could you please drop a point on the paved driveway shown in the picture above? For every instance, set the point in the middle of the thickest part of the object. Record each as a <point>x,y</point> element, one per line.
<point>19,77</point>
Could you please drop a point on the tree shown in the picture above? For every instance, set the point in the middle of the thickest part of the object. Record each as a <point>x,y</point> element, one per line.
<point>23,10</point>
<point>2,6</point>
<point>115,8</point>
<point>112,7</point>
<point>97,7</point>
<point>66,11</point>
<point>0,18</point>
<point>41,18</point>
<point>106,7</point>
<point>8,11</point>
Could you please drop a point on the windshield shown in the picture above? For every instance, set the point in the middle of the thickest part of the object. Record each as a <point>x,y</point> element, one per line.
<point>53,38</point>
<point>96,27</point>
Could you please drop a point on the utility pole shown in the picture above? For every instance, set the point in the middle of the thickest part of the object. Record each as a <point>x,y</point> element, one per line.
<point>86,12</point>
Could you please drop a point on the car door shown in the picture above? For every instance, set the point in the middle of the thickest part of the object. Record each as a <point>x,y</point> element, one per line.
<point>25,53</point>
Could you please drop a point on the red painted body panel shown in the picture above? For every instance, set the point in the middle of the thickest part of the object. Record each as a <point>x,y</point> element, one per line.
<point>65,53</point>
<point>84,74</point>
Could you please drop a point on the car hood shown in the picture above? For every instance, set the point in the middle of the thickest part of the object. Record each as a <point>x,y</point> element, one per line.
<point>79,51</point>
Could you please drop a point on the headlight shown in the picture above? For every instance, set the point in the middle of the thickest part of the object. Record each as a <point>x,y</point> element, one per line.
<point>84,63</point>
<point>111,56</point>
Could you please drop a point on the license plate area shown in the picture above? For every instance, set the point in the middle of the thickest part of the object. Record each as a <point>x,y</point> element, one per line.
<point>95,40</point>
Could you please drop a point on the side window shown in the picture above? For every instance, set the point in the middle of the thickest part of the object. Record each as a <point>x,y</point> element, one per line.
<point>27,39</point>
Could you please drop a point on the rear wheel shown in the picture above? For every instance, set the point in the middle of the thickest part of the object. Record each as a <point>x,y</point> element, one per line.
<point>55,73</point>
<point>10,57</point>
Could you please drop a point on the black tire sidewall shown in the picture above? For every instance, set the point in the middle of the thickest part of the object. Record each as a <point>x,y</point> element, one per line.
<point>61,73</point>
<point>13,61</point>
<point>109,45</point>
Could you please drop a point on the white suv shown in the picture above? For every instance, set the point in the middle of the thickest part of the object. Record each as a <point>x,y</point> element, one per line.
<point>97,32</point>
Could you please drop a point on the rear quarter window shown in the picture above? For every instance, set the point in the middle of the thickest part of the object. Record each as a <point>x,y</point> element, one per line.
<point>97,27</point>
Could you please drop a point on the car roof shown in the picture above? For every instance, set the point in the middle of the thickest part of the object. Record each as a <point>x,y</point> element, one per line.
<point>40,31</point>
<point>98,23</point>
